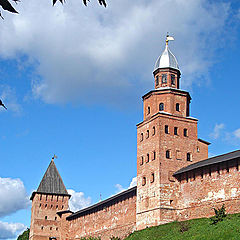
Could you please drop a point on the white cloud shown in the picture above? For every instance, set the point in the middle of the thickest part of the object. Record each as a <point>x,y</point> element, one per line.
<point>9,98</point>
<point>97,55</point>
<point>237,133</point>
<point>119,188</point>
<point>217,130</point>
<point>10,230</point>
<point>13,196</point>
<point>133,182</point>
<point>78,200</point>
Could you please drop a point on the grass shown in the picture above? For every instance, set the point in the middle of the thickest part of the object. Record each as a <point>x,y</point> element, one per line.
<point>197,229</point>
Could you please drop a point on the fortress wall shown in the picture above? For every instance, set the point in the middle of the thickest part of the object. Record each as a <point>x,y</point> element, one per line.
<point>116,217</point>
<point>213,186</point>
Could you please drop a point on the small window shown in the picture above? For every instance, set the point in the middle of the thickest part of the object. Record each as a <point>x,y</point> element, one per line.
<point>42,228</point>
<point>50,228</point>
<point>141,138</point>
<point>175,130</point>
<point>141,161</point>
<point>177,107</point>
<point>167,154</point>
<point>147,158</point>
<point>154,131</point>
<point>147,134</point>
<point>164,78</point>
<point>62,206</point>
<point>57,207</point>
<point>144,181</point>
<point>152,178</point>
<point>166,129</point>
<point>51,206</point>
<point>154,155</point>
<point>210,172</point>
<point>56,229</point>
<point>185,132</point>
<point>45,217</point>
<point>171,201</point>
<point>157,80</point>
<point>149,110</point>
<point>40,205</point>
<point>189,158</point>
<point>45,205</point>
<point>173,82</point>
<point>161,107</point>
<point>55,218</point>
<point>198,149</point>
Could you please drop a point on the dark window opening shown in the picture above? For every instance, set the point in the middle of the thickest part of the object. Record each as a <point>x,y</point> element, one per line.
<point>147,157</point>
<point>50,228</point>
<point>42,228</point>
<point>161,107</point>
<point>45,205</point>
<point>147,134</point>
<point>167,154</point>
<point>171,201</point>
<point>154,155</point>
<point>45,217</point>
<point>55,218</point>
<point>149,110</point>
<point>166,129</point>
<point>210,172</point>
<point>154,131</point>
<point>141,139</point>
<point>173,79</point>
<point>175,131</point>
<point>144,181</point>
<point>141,162</point>
<point>185,132</point>
<point>164,78</point>
<point>157,80</point>
<point>152,177</point>
<point>40,205</point>
<point>189,157</point>
<point>177,107</point>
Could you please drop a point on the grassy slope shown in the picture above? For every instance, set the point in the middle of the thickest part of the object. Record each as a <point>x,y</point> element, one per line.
<point>199,229</point>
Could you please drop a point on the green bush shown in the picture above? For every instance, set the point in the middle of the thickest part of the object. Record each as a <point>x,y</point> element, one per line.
<point>220,214</point>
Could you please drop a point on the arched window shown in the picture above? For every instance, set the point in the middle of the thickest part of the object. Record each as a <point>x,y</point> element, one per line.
<point>177,107</point>
<point>167,154</point>
<point>185,132</point>
<point>161,106</point>
<point>147,134</point>
<point>189,157</point>
<point>166,129</point>
<point>141,138</point>
<point>149,110</point>
<point>157,80</point>
<point>175,130</point>
<point>152,178</point>
<point>144,181</point>
<point>147,158</point>
<point>172,79</point>
<point>154,131</point>
<point>164,78</point>
<point>154,155</point>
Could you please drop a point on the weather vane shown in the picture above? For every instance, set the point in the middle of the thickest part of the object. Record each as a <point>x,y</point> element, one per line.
<point>54,157</point>
<point>169,38</point>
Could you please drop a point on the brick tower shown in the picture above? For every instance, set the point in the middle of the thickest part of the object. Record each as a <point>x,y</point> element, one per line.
<point>167,140</point>
<point>50,198</point>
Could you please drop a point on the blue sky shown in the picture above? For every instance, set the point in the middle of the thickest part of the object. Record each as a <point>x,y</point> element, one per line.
<point>72,79</point>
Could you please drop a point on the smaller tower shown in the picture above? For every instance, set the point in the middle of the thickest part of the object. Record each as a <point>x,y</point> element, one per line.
<point>50,198</point>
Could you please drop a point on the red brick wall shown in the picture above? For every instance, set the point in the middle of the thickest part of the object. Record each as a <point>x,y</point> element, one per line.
<point>117,219</point>
<point>46,205</point>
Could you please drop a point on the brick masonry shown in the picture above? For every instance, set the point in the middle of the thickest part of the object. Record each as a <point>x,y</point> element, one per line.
<point>167,140</point>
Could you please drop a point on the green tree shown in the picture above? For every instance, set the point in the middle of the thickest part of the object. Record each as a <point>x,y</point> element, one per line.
<point>24,235</point>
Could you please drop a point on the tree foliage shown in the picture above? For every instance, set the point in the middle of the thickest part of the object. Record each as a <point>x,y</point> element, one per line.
<point>220,214</point>
<point>6,5</point>
<point>24,235</point>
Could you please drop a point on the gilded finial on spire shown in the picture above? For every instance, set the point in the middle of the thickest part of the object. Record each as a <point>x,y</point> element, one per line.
<point>54,157</point>
<point>168,38</point>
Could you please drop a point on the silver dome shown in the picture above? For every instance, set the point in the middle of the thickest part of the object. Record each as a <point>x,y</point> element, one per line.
<point>166,60</point>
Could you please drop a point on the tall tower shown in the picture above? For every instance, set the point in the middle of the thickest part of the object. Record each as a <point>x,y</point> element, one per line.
<point>167,140</point>
<point>50,198</point>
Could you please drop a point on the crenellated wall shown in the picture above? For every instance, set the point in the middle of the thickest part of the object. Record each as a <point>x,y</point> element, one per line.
<point>113,217</point>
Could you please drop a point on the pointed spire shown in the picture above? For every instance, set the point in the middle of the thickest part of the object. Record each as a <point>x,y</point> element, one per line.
<point>52,182</point>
